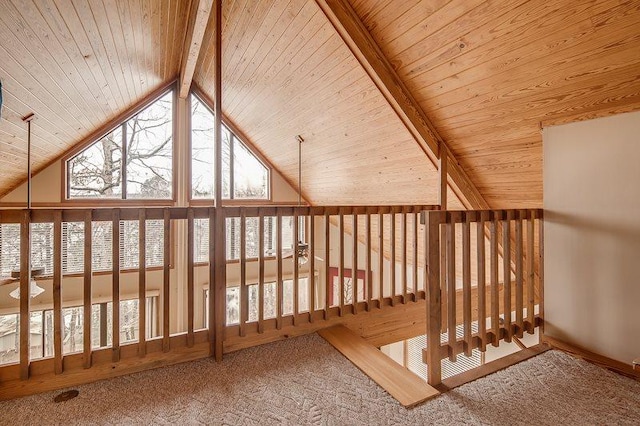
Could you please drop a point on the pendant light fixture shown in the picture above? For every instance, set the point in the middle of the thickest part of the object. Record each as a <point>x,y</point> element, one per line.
<point>302,253</point>
<point>34,289</point>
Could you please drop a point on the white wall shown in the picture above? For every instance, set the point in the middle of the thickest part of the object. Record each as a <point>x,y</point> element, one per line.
<point>592,234</point>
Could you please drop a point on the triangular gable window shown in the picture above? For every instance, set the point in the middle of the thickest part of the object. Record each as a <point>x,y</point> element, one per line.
<point>145,141</point>
<point>244,176</point>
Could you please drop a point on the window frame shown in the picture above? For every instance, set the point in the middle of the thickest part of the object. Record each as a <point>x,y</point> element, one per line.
<point>235,133</point>
<point>121,121</point>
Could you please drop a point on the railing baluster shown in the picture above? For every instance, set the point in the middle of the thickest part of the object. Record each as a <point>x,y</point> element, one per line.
<point>327,264</point>
<point>190,273</point>
<point>341,270</point>
<point>142,283</point>
<point>519,283</point>
<point>261,271</point>
<point>466,282</point>
<point>403,244</point>
<point>244,296</point>
<point>279,284</point>
<point>433,296</point>
<point>541,267</point>
<point>57,292</point>
<point>506,257</point>
<point>482,302</point>
<point>166,279</point>
<point>368,285</point>
<point>451,285</point>
<point>381,258</point>
<point>495,296</point>
<point>296,268</point>
<point>87,290</point>
<point>530,273</point>
<point>415,218</point>
<point>115,286</point>
<point>25,280</point>
<point>392,260</point>
<point>354,265</point>
<point>311,280</point>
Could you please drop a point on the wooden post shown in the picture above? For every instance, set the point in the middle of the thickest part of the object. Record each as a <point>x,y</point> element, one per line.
<point>443,166</point>
<point>482,292</point>
<point>327,264</point>
<point>530,273</point>
<point>519,276</point>
<point>433,296</point>
<point>220,284</point>
<point>341,262</point>
<point>354,264</point>
<point>368,285</point>
<point>392,257</point>
<point>25,282</point>
<point>244,296</point>
<point>451,284</point>
<point>166,280</point>
<point>261,271</point>
<point>493,265</point>
<point>279,282</point>
<point>312,266</point>
<point>415,256</point>
<point>57,292</point>
<point>115,285</point>
<point>541,272</point>
<point>506,257</point>
<point>142,282</point>
<point>381,257</point>
<point>86,336</point>
<point>190,278</point>
<point>466,283</point>
<point>403,244</point>
<point>296,267</point>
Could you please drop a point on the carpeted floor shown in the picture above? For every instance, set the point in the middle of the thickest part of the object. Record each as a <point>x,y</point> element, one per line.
<point>305,381</point>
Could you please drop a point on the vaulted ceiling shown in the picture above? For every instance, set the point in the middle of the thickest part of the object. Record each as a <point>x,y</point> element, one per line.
<point>486,74</point>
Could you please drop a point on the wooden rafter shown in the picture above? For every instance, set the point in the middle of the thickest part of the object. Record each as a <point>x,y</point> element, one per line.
<point>355,35</point>
<point>201,9</point>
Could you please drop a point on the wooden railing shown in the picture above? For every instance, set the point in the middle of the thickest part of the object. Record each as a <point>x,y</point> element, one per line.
<point>502,295</point>
<point>347,260</point>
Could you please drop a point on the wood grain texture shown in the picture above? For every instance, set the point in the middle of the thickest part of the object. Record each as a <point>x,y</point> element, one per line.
<point>487,74</point>
<point>76,65</point>
<point>407,388</point>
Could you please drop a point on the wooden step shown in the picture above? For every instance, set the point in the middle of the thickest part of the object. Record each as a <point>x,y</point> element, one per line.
<point>407,388</point>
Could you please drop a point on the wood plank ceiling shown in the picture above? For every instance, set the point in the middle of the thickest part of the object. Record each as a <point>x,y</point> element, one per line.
<point>287,72</point>
<point>486,73</point>
<point>76,65</point>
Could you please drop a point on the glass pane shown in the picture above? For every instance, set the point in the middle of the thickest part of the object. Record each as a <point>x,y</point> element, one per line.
<point>96,171</point>
<point>9,339</point>
<point>72,333</point>
<point>226,163</point>
<point>129,321</point>
<point>250,176</point>
<point>150,151</point>
<point>202,152</point>
<point>9,248</point>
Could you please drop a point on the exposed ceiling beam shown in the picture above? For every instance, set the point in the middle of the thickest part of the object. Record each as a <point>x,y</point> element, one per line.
<point>356,36</point>
<point>199,17</point>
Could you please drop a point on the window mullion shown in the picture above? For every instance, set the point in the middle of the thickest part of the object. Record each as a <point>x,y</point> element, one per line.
<point>123,162</point>
<point>232,141</point>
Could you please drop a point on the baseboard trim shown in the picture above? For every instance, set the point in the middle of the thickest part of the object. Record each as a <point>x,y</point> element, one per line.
<point>592,357</point>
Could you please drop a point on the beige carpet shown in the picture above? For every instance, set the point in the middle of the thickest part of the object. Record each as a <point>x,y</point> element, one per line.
<point>305,381</point>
